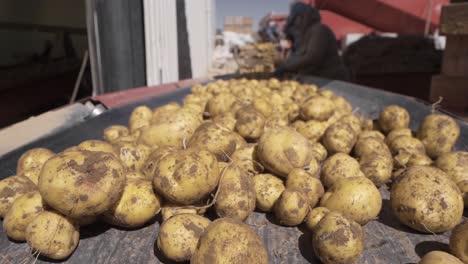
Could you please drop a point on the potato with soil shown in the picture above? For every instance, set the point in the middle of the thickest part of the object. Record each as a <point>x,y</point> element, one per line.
<point>314,217</point>
<point>339,166</point>
<point>425,199</point>
<point>11,188</point>
<point>245,158</point>
<point>250,123</point>
<point>228,240</point>
<point>236,195</point>
<point>319,152</point>
<point>151,162</point>
<point>137,205</point>
<point>53,235</point>
<point>268,189</point>
<point>186,176</point>
<point>396,133</point>
<point>312,130</point>
<point>407,144</point>
<point>170,209</point>
<point>311,186</point>
<point>459,241</point>
<point>317,108</point>
<point>178,236</point>
<point>371,134</point>
<point>281,150</point>
<point>139,118</point>
<point>227,121</point>
<point>356,198</point>
<point>172,130</point>
<point>375,160</point>
<point>339,137</point>
<point>455,164</point>
<point>21,213</point>
<point>337,239</point>
<point>31,162</point>
<point>220,104</point>
<point>263,106</point>
<point>82,183</point>
<point>219,141</point>
<point>113,133</point>
<point>162,113</point>
<point>292,207</point>
<point>438,133</point>
<point>393,117</point>
<point>97,146</point>
<point>438,257</point>
<point>133,155</point>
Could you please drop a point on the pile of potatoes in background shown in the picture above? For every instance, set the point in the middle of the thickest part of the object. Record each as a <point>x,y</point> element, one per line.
<point>294,150</point>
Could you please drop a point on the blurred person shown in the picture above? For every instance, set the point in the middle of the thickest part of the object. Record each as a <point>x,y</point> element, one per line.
<point>273,32</point>
<point>314,48</point>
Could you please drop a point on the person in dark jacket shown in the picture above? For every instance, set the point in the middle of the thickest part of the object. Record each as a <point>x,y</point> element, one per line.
<point>314,50</point>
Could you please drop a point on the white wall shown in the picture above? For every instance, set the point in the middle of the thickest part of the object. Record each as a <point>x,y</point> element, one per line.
<point>201,29</point>
<point>161,41</point>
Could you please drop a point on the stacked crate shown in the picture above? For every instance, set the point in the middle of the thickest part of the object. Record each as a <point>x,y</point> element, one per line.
<point>238,24</point>
<point>257,58</point>
<point>452,83</point>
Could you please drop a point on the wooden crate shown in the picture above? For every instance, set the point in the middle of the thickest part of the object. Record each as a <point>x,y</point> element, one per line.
<point>454,19</point>
<point>454,91</point>
<point>455,61</point>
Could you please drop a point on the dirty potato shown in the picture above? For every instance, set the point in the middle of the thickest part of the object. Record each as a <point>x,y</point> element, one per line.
<point>268,189</point>
<point>31,162</point>
<point>393,117</point>
<point>11,188</point>
<point>292,207</point>
<point>438,133</point>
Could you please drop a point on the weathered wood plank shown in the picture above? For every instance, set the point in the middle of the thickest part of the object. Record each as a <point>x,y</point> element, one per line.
<point>455,61</point>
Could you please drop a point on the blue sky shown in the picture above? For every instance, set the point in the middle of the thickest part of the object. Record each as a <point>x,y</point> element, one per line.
<point>253,8</point>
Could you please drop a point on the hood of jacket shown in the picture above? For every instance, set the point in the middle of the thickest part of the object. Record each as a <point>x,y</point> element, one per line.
<point>300,19</point>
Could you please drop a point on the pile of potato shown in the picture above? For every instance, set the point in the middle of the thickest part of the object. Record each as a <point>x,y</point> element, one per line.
<point>257,58</point>
<point>235,146</point>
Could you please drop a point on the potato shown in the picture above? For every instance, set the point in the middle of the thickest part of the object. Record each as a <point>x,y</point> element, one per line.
<point>162,113</point>
<point>393,117</point>
<point>186,176</point>
<point>195,99</point>
<point>133,155</point>
<point>339,166</point>
<point>312,130</point>
<point>22,212</point>
<point>292,207</point>
<point>268,189</point>
<point>220,104</point>
<point>178,236</point>
<point>245,158</point>
<point>82,183</point>
<point>170,209</point>
<point>377,167</point>
<point>425,199</point>
<point>250,123</point>
<point>396,133</point>
<point>371,146</point>
<point>353,121</point>
<point>97,146</point>
<point>236,197</point>
<point>227,121</point>
<point>137,205</point>
<point>228,240</point>
<point>339,137</point>
<point>139,118</point>
<point>459,241</point>
<point>463,186</point>
<point>419,159</point>
<point>341,104</point>
<point>438,133</point>
<point>113,133</point>
<point>436,257</point>
<point>314,217</point>
<point>319,152</point>
<point>281,150</point>
<point>371,134</point>
<point>337,239</point>
<point>303,92</point>
<point>406,143</point>
<point>368,125</point>
<point>11,188</point>
<point>455,164</point>
<point>263,106</point>
<point>53,235</point>
<point>133,137</point>
<point>311,186</point>
<point>356,198</point>
<point>276,120</point>
<point>171,131</point>
<point>317,108</point>
<point>217,140</point>
<point>31,162</point>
